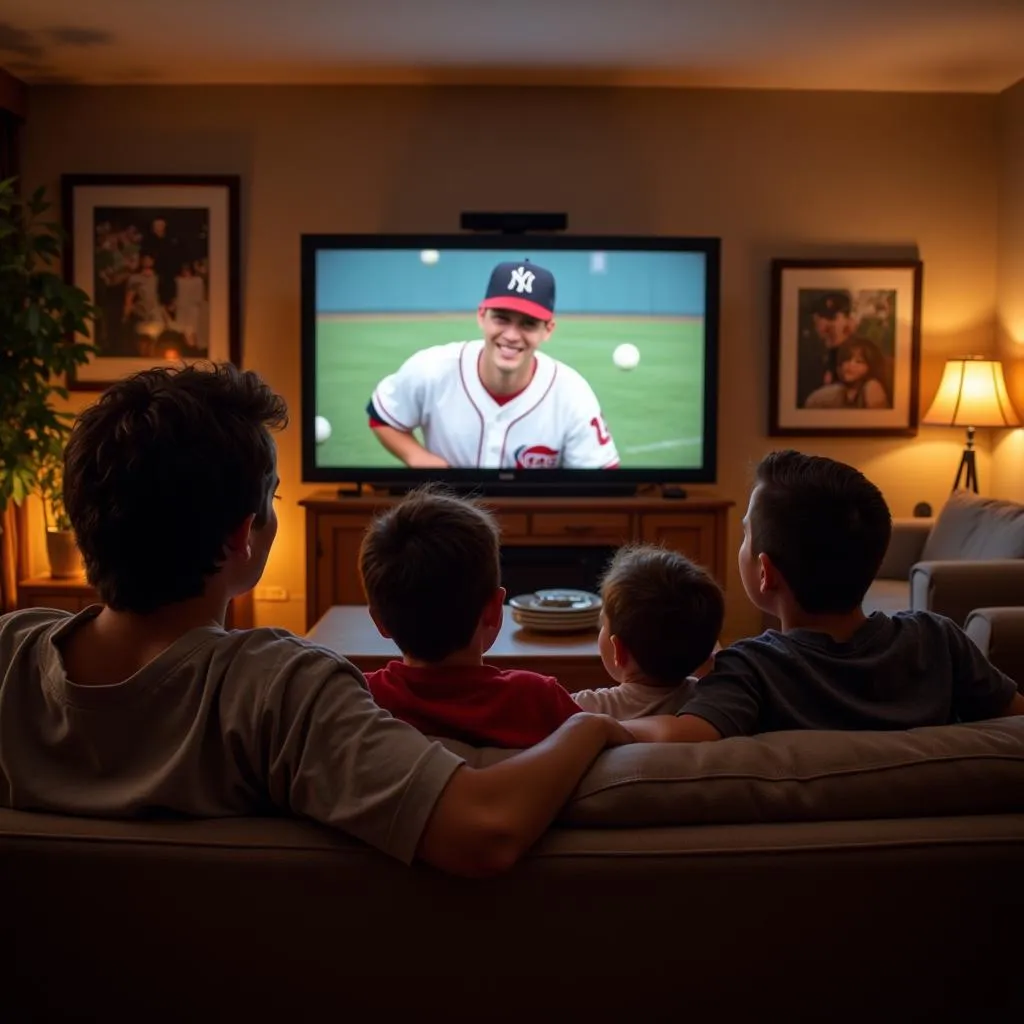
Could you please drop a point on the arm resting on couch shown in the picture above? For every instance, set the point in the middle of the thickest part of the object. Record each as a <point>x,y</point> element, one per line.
<point>999,635</point>
<point>956,588</point>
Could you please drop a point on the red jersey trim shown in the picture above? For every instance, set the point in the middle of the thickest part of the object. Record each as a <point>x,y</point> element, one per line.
<point>547,391</point>
<point>504,399</point>
<point>398,424</point>
<point>462,381</point>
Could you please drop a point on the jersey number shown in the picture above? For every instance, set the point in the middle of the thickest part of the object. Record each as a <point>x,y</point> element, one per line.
<point>603,437</point>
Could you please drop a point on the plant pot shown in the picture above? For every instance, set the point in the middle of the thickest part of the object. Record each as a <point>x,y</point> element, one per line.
<point>65,558</point>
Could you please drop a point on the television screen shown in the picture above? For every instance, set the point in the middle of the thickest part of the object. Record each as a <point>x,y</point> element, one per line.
<point>509,358</point>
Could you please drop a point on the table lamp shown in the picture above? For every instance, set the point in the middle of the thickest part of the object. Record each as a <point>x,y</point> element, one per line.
<point>972,394</point>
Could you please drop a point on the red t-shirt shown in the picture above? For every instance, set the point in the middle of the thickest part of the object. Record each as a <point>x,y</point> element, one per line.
<point>477,704</point>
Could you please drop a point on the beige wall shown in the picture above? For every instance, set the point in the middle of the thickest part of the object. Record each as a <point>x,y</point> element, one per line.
<point>774,174</point>
<point>1008,460</point>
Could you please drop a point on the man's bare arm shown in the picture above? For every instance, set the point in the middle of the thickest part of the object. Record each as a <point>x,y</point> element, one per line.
<point>672,729</point>
<point>487,818</point>
<point>403,445</point>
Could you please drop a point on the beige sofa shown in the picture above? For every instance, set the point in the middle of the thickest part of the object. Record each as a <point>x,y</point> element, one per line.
<point>800,876</point>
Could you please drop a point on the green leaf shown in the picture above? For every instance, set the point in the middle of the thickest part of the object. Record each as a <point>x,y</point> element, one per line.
<point>37,203</point>
<point>40,314</point>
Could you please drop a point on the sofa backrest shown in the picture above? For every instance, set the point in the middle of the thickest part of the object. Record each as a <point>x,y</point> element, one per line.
<point>977,529</point>
<point>274,920</point>
<point>801,776</point>
<point>261,920</point>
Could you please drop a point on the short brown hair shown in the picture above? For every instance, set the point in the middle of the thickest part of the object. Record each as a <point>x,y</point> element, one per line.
<point>664,608</point>
<point>160,471</point>
<point>824,525</point>
<point>429,565</point>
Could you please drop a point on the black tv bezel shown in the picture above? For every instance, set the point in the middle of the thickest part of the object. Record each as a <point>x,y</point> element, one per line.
<point>579,481</point>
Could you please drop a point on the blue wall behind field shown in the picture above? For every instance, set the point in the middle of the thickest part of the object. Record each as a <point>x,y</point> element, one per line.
<point>606,283</point>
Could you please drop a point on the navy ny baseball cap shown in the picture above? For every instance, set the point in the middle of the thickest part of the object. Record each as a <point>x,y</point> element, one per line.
<point>523,287</point>
<point>832,303</point>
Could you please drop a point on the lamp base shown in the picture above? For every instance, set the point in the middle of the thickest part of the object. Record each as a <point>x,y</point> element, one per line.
<point>968,468</point>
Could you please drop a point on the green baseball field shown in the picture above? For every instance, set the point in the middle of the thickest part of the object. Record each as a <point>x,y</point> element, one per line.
<point>654,412</point>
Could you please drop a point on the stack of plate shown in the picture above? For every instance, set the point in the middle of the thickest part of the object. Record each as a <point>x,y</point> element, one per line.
<point>557,611</point>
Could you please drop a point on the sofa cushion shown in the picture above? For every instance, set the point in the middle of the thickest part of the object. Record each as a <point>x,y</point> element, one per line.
<point>801,776</point>
<point>969,527</point>
<point>887,596</point>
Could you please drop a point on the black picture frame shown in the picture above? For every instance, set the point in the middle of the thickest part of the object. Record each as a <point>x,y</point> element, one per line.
<point>863,311</point>
<point>116,253</point>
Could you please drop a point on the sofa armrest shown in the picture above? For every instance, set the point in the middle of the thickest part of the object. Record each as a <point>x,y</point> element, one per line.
<point>905,547</point>
<point>956,588</point>
<point>999,634</point>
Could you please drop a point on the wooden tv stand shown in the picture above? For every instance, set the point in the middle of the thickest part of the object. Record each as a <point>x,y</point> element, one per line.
<point>694,526</point>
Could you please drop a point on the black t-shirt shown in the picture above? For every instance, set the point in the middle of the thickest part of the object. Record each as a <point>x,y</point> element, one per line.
<point>896,672</point>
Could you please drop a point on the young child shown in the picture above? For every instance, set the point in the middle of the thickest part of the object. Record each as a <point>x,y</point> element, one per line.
<point>147,703</point>
<point>814,536</point>
<point>188,300</point>
<point>660,622</point>
<point>861,372</point>
<point>142,301</point>
<point>431,571</point>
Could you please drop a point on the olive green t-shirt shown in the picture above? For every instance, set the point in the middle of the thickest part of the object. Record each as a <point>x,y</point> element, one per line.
<point>222,723</point>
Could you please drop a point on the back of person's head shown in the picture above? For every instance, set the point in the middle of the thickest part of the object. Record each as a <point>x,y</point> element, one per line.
<point>160,471</point>
<point>429,565</point>
<point>824,526</point>
<point>667,611</point>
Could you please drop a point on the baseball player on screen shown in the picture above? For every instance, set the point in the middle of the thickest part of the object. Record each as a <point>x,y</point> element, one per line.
<point>498,402</point>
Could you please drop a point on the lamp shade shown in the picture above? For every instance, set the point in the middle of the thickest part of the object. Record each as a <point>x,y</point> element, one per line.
<point>972,394</point>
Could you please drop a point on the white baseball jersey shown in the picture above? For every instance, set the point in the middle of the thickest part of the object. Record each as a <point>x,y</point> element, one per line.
<point>554,423</point>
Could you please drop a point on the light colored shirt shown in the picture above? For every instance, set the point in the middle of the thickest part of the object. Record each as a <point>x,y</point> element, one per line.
<point>146,289</point>
<point>635,700</point>
<point>247,722</point>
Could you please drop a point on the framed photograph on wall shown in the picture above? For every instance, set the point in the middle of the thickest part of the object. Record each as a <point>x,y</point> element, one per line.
<point>159,257</point>
<point>845,348</point>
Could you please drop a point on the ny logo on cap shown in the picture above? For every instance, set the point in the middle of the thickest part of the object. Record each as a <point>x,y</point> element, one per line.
<point>521,280</point>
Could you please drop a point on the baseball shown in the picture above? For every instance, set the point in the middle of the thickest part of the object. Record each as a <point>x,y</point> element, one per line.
<point>321,429</point>
<point>626,356</point>
<point>430,256</point>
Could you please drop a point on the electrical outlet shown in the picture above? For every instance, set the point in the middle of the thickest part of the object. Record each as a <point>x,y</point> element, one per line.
<point>271,594</point>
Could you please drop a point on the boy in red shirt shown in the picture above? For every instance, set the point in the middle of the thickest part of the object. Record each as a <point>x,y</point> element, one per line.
<point>431,572</point>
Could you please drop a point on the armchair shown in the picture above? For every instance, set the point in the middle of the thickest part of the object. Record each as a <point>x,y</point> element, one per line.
<point>971,556</point>
<point>999,634</point>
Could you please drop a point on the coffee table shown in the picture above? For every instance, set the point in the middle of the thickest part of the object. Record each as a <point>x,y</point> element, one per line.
<point>571,657</point>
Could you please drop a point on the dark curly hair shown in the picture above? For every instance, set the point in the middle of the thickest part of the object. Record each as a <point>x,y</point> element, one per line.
<point>160,471</point>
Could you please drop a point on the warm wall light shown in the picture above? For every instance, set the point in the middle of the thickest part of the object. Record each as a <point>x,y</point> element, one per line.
<point>972,394</point>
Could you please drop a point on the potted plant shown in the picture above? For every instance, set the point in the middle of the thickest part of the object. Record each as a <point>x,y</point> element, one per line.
<point>42,318</point>
<point>61,549</point>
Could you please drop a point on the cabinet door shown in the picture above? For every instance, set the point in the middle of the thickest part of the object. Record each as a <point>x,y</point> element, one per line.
<point>692,534</point>
<point>588,528</point>
<point>64,600</point>
<point>337,563</point>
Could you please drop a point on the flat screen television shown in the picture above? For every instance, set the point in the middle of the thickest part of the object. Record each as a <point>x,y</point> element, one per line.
<point>509,363</point>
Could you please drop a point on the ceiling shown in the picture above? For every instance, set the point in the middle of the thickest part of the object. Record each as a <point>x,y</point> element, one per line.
<point>913,45</point>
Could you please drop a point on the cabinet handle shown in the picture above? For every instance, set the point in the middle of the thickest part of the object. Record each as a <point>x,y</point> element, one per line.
<point>579,528</point>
